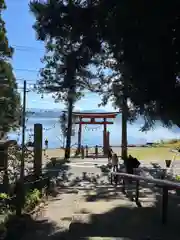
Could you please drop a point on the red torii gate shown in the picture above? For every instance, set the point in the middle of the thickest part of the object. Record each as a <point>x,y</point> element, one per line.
<point>82,120</point>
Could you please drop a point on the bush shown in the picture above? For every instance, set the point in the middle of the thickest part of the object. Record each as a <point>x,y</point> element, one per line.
<point>13,225</point>
<point>4,202</point>
<point>32,199</point>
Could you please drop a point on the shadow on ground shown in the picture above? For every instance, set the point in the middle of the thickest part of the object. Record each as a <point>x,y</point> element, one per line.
<point>132,223</point>
<point>56,166</point>
<point>26,226</point>
<point>126,222</point>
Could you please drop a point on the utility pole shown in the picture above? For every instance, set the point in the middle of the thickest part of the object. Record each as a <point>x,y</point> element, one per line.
<point>23,132</point>
<point>20,195</point>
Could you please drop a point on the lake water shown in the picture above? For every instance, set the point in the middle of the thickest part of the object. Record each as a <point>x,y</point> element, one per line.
<point>92,134</point>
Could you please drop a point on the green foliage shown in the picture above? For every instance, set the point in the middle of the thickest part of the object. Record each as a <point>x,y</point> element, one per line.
<point>65,73</point>
<point>4,206</point>
<point>146,49</point>
<point>142,37</point>
<point>4,196</point>
<point>9,96</point>
<point>178,177</point>
<point>11,226</point>
<point>14,162</point>
<point>32,199</point>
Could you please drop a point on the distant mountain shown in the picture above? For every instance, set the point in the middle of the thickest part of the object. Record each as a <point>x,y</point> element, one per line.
<point>41,113</point>
<point>94,111</point>
<point>53,113</point>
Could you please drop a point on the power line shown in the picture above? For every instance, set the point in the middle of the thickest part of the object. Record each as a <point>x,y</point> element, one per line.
<point>26,70</point>
<point>28,80</point>
<point>26,48</point>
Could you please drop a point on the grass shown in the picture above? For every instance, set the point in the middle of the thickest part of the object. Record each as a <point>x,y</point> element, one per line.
<point>102,238</point>
<point>152,153</point>
<point>173,143</point>
<point>159,151</point>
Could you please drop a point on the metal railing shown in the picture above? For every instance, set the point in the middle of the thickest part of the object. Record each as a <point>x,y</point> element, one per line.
<point>166,185</point>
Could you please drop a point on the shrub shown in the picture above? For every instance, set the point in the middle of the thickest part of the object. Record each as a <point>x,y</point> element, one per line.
<point>4,202</point>
<point>178,178</point>
<point>32,199</point>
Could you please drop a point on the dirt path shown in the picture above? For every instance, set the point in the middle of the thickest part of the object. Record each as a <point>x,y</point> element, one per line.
<point>75,206</point>
<point>87,209</point>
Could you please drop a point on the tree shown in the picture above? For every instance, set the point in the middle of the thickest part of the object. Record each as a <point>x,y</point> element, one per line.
<point>142,36</point>
<point>63,124</point>
<point>9,96</point>
<point>65,73</point>
<point>113,87</point>
<point>144,39</point>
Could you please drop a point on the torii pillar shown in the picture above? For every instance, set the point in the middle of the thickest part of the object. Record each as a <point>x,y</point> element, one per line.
<point>105,138</point>
<point>79,135</point>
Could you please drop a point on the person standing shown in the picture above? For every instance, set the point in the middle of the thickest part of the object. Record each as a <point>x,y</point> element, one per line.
<point>82,152</point>
<point>115,162</point>
<point>96,151</point>
<point>110,152</point>
<point>46,145</point>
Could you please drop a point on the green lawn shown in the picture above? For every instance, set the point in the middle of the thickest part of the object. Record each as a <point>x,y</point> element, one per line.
<point>152,153</point>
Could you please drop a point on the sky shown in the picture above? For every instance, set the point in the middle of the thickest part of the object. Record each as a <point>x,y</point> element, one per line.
<point>27,58</point>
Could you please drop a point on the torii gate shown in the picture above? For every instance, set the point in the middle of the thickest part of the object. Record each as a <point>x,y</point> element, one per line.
<point>92,120</point>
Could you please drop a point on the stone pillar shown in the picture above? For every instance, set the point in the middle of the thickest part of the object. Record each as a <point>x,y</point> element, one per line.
<point>38,149</point>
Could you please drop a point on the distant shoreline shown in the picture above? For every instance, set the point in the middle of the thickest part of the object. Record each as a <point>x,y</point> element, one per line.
<point>116,146</point>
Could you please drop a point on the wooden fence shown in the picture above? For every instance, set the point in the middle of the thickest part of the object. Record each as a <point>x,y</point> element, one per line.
<point>164,184</point>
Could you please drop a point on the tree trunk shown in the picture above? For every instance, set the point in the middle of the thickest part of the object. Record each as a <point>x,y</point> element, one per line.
<point>64,142</point>
<point>69,128</point>
<point>124,124</point>
<point>124,132</point>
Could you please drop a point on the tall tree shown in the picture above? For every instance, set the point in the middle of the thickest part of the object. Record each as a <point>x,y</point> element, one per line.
<point>144,37</point>
<point>65,73</point>
<point>63,124</point>
<point>113,87</point>
<point>9,96</point>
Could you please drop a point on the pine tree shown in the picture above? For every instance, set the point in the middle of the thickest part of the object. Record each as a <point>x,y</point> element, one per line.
<point>65,74</point>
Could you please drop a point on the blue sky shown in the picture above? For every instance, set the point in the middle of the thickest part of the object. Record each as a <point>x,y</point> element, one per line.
<point>27,56</point>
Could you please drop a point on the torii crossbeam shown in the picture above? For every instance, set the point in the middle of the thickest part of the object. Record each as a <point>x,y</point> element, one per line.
<point>90,118</point>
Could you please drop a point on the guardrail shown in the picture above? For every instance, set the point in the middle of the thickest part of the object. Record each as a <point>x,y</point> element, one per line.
<point>164,184</point>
